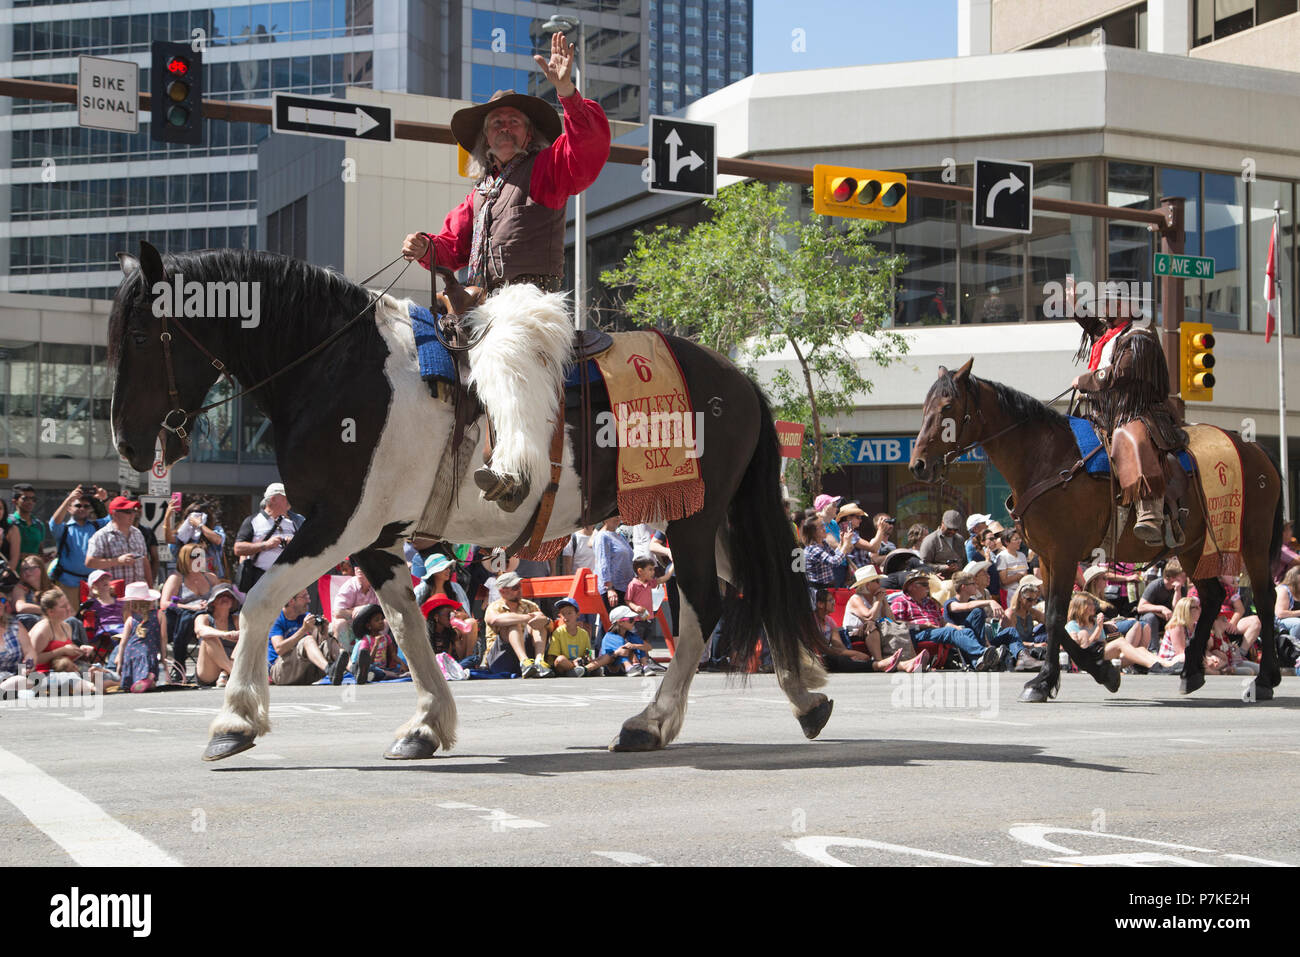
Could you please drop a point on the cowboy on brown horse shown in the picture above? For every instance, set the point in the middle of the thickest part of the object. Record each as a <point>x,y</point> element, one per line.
<point>1128,398</point>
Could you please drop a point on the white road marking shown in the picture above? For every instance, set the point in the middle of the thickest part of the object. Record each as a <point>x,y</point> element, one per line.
<point>1189,740</point>
<point>265,756</point>
<point>1109,734</point>
<point>1256,860</point>
<point>817,848</point>
<point>628,859</point>
<point>81,827</point>
<point>949,717</point>
<point>145,730</point>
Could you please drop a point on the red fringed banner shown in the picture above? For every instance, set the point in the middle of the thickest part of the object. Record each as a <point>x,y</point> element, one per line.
<point>656,430</point>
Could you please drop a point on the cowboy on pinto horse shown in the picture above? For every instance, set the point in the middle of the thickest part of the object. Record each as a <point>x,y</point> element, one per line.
<point>510,229</point>
<point>1127,389</point>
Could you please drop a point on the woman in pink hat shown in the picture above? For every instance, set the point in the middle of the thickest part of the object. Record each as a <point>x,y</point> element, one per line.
<point>144,638</point>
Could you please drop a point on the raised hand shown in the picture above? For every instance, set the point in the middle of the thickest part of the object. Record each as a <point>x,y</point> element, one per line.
<point>559,69</point>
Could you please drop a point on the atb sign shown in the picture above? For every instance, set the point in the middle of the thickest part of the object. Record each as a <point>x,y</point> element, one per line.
<point>107,94</point>
<point>1184,267</point>
<point>683,157</point>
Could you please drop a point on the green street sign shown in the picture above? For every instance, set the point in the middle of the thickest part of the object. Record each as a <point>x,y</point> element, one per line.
<point>1184,267</point>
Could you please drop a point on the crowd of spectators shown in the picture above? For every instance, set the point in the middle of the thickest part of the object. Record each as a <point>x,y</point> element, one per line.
<point>973,600</point>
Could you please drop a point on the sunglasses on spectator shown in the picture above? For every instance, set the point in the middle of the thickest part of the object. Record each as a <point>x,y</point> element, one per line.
<point>81,505</point>
<point>25,498</point>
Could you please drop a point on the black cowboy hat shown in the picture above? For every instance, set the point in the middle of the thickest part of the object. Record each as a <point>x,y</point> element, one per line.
<point>362,618</point>
<point>467,124</point>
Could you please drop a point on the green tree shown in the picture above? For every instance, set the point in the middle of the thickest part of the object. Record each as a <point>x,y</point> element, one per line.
<point>753,281</point>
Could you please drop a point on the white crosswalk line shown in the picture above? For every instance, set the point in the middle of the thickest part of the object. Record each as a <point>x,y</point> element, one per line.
<point>77,824</point>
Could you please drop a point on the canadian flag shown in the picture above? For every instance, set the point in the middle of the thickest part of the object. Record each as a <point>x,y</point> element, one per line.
<point>1272,302</point>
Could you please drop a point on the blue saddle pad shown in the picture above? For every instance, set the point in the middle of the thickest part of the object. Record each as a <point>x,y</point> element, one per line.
<point>1085,437</point>
<point>435,360</point>
<point>573,379</point>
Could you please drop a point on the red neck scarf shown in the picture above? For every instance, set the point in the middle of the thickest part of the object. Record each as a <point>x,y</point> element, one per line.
<point>1094,359</point>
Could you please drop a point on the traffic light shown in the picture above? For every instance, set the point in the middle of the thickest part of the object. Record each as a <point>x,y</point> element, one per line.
<point>860,193</point>
<point>177,90</point>
<point>1197,383</point>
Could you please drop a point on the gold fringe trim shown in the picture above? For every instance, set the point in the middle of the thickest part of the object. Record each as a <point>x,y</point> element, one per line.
<point>661,503</point>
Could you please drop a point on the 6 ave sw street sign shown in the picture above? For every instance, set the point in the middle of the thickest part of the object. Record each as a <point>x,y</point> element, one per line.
<point>683,157</point>
<point>1004,196</point>
<point>1184,267</point>
<point>324,116</point>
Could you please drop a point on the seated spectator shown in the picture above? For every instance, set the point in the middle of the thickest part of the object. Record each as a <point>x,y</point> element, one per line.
<point>971,605</point>
<point>437,581</point>
<point>569,653</point>
<point>1288,557</point>
<point>374,657</point>
<point>187,588</point>
<point>1178,631</point>
<point>300,650</point>
<point>1122,581</point>
<point>1012,564</point>
<point>916,534</point>
<point>822,564</point>
<point>104,614</point>
<point>1156,605</point>
<point>622,645</point>
<point>865,654</point>
<point>1021,617</point>
<point>1086,625</point>
<point>1096,582</point>
<point>200,525</point>
<point>640,598</point>
<point>60,646</point>
<point>976,526</point>
<point>924,620</point>
<point>825,508</point>
<point>355,593</point>
<point>32,584</point>
<point>1286,611</point>
<point>1232,622</point>
<point>880,545</point>
<point>15,643</point>
<point>867,605</point>
<point>144,639</point>
<point>517,631</point>
<point>218,632</point>
<point>943,549</point>
<point>451,631</point>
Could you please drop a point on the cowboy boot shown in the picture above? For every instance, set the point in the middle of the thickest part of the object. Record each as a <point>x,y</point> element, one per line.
<point>1150,518</point>
<point>500,487</point>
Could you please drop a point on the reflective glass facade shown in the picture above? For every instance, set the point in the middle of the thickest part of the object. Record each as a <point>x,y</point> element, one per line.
<point>697,47</point>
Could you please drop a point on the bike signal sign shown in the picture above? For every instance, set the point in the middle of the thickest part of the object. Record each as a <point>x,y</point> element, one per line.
<point>683,157</point>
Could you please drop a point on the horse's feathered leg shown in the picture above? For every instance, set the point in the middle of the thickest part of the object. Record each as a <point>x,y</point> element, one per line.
<point>1047,682</point>
<point>244,714</point>
<point>701,606</point>
<point>434,722</point>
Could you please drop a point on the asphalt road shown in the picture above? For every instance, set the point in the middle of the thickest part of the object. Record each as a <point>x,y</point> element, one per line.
<point>903,774</point>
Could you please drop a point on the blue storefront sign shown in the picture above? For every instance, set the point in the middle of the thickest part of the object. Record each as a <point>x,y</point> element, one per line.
<point>889,450</point>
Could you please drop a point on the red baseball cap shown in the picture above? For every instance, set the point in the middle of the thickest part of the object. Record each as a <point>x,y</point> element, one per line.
<point>122,504</point>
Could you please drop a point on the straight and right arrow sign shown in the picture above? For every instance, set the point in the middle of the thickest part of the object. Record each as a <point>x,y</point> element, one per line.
<point>1003,196</point>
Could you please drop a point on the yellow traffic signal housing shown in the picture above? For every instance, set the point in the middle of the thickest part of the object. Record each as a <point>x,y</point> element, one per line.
<point>462,161</point>
<point>860,193</point>
<point>1197,383</point>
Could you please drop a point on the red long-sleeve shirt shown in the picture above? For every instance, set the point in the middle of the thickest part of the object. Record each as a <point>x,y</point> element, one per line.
<point>566,167</point>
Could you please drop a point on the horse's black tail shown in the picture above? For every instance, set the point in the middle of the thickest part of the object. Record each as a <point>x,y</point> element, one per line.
<point>766,564</point>
<point>1275,542</point>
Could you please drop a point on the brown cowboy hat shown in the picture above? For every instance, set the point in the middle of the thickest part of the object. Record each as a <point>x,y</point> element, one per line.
<point>467,124</point>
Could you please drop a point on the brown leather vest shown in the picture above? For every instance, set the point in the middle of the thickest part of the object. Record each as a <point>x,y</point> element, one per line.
<point>524,236</point>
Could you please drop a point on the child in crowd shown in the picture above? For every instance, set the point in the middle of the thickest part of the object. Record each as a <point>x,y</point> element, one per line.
<point>569,653</point>
<point>640,598</point>
<point>374,657</point>
<point>143,646</point>
<point>622,644</point>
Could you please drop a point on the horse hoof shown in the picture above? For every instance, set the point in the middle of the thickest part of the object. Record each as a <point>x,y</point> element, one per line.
<point>635,739</point>
<point>813,722</point>
<point>413,747</point>
<point>1262,691</point>
<point>1111,681</point>
<point>227,744</point>
<point>1033,694</point>
<point>1190,683</point>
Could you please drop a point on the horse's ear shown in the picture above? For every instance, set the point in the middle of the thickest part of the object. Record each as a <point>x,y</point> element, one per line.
<point>128,263</point>
<point>964,371</point>
<point>151,265</point>
<point>943,371</point>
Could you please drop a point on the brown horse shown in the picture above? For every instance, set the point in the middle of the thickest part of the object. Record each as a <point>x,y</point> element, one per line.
<point>1065,515</point>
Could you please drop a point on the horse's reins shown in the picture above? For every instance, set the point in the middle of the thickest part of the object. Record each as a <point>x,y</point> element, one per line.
<point>179,430</point>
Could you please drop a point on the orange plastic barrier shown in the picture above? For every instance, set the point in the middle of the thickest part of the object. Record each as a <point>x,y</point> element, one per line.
<point>583,589</point>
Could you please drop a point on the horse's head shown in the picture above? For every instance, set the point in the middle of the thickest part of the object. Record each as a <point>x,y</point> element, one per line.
<point>945,421</point>
<point>142,406</point>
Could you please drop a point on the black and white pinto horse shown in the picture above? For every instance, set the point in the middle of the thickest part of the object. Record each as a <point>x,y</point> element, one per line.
<point>364,497</point>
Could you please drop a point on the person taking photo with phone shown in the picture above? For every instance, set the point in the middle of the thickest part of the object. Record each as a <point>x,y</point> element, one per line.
<point>119,547</point>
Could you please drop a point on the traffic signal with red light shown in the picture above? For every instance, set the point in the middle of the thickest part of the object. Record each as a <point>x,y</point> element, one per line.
<point>177,93</point>
<point>860,193</point>
<point>1197,383</point>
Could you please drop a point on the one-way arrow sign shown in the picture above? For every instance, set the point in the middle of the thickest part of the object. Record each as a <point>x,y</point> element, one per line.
<point>1003,196</point>
<point>323,116</point>
<point>683,157</point>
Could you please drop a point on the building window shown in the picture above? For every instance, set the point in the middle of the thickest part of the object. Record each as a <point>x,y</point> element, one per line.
<point>1216,19</point>
<point>1127,28</point>
<point>286,230</point>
